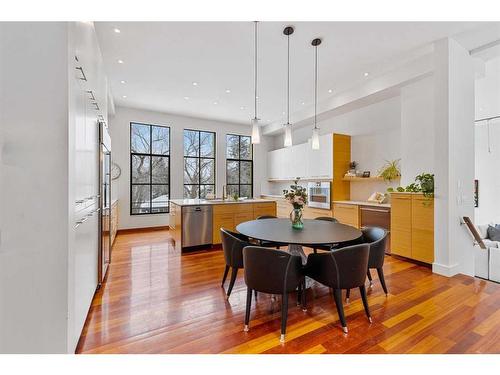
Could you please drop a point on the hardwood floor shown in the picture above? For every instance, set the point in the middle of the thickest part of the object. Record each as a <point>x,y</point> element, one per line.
<point>157,301</point>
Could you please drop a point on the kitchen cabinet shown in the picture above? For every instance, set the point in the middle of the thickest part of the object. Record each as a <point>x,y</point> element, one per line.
<point>114,221</point>
<point>302,161</point>
<point>347,214</point>
<point>412,226</point>
<point>373,216</point>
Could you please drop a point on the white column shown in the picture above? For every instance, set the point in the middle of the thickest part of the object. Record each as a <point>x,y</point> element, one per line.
<point>454,157</point>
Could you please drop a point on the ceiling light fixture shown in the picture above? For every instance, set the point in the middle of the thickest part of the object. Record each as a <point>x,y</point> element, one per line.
<point>315,133</point>
<point>366,74</point>
<point>288,127</point>
<point>330,91</point>
<point>124,96</point>
<point>255,121</point>
<point>116,30</point>
<point>120,61</point>
<point>215,103</point>
<point>242,108</point>
<point>186,97</point>
<point>195,83</point>
<point>228,91</point>
<point>123,82</point>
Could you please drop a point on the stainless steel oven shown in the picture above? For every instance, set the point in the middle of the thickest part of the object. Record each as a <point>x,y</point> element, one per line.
<point>319,194</point>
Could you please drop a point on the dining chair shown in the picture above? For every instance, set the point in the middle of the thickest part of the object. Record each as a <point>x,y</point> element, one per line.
<point>377,239</point>
<point>275,272</point>
<point>325,247</point>
<point>344,268</point>
<point>232,246</point>
<point>277,245</point>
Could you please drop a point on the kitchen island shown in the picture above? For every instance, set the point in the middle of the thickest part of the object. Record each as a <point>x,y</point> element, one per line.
<point>196,223</point>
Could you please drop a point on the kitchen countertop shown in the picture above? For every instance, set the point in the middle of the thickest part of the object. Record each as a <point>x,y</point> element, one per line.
<point>203,202</point>
<point>365,203</point>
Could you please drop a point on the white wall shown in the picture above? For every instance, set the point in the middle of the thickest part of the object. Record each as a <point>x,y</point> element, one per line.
<point>487,150</point>
<point>454,158</point>
<point>120,138</point>
<point>33,187</point>
<point>417,129</point>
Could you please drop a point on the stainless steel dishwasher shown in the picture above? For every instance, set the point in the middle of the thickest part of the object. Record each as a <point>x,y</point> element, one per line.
<point>196,226</point>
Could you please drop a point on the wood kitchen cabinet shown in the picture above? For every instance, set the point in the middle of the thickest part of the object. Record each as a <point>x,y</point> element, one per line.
<point>114,220</point>
<point>347,214</point>
<point>229,215</point>
<point>412,226</point>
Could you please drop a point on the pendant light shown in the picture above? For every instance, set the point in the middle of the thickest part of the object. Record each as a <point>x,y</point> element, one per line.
<point>315,133</point>
<point>255,120</point>
<point>288,127</point>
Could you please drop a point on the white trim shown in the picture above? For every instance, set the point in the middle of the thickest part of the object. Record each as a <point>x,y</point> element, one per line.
<point>445,270</point>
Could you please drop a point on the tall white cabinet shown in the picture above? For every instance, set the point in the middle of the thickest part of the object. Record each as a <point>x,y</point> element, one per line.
<point>302,161</point>
<point>48,182</point>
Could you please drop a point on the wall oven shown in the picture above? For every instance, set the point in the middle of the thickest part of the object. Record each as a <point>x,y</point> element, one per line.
<point>319,194</point>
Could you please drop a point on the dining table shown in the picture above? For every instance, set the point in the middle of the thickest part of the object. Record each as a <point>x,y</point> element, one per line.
<point>314,233</point>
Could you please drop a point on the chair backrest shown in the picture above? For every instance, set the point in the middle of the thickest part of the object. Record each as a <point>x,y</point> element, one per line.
<point>377,239</point>
<point>270,270</point>
<point>344,268</point>
<point>232,245</point>
<point>266,217</point>
<point>327,218</point>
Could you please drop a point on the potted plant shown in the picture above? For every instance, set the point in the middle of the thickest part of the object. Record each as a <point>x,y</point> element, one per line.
<point>390,170</point>
<point>426,181</point>
<point>297,197</point>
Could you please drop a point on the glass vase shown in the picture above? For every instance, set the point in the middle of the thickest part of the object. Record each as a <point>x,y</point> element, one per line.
<point>296,218</point>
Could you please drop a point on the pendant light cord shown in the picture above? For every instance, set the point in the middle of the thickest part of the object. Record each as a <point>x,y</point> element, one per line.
<point>315,84</point>
<point>288,82</point>
<point>255,83</point>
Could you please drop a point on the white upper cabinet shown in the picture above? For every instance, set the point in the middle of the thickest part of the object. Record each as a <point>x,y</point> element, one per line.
<point>302,161</point>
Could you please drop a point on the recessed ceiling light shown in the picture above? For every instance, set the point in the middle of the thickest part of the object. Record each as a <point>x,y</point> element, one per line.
<point>116,30</point>
<point>120,61</point>
<point>303,103</point>
<point>195,83</point>
<point>123,82</point>
<point>330,91</point>
<point>256,97</point>
<point>242,108</point>
<point>283,112</point>
<point>124,96</point>
<point>367,74</point>
<point>216,103</point>
<point>186,97</point>
<point>228,91</point>
<point>268,120</point>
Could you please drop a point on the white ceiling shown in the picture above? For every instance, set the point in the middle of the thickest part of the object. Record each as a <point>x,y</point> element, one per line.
<point>161,60</point>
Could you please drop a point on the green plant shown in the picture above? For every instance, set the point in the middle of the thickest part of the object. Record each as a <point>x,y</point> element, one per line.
<point>400,189</point>
<point>390,189</point>
<point>235,196</point>
<point>426,181</point>
<point>412,188</point>
<point>296,196</point>
<point>390,170</point>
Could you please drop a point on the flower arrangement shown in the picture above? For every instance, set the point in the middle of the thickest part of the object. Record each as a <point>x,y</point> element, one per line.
<point>296,196</point>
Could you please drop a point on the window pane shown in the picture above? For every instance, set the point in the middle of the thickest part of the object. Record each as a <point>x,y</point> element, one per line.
<point>140,138</point>
<point>191,143</point>
<point>160,169</point>
<point>207,144</point>
<point>232,146</point>
<point>206,189</point>
<point>232,172</point>
<point>140,168</point>
<point>246,191</point>
<point>161,140</point>
<point>191,171</point>
<point>207,171</point>
<point>246,172</point>
<point>233,189</point>
<point>159,203</point>
<point>191,191</point>
<point>140,199</point>
<point>245,148</point>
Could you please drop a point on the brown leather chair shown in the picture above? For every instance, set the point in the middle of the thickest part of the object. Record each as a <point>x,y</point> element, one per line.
<point>274,272</point>
<point>232,245</point>
<point>377,239</point>
<point>344,268</point>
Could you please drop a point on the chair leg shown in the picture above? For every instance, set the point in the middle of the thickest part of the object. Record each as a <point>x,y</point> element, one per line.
<point>255,292</point>
<point>299,293</point>
<point>347,295</point>
<point>226,270</point>
<point>284,315</point>
<point>234,273</point>
<point>247,311</point>
<point>369,278</point>
<point>380,272</point>
<point>303,302</point>
<point>337,295</point>
<point>362,291</point>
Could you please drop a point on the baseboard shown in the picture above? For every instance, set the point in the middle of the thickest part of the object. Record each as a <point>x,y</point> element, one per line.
<point>409,260</point>
<point>445,270</point>
<point>138,230</point>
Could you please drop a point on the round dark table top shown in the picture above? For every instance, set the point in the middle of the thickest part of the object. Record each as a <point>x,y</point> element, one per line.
<point>315,232</point>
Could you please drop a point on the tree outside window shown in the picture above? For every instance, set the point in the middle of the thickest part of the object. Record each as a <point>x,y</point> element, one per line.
<point>239,165</point>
